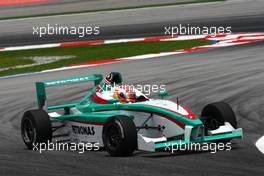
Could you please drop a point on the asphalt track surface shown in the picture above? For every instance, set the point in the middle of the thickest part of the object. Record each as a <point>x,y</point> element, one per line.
<point>231,74</point>
<point>66,6</point>
<point>242,16</point>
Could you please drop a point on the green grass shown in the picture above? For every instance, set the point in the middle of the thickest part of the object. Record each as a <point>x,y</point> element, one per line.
<point>112,9</point>
<point>7,62</point>
<point>91,53</point>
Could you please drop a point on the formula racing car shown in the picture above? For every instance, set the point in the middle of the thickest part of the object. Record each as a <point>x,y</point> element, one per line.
<point>122,119</point>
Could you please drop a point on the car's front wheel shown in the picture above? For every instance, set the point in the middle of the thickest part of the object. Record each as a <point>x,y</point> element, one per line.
<point>216,114</point>
<point>120,136</point>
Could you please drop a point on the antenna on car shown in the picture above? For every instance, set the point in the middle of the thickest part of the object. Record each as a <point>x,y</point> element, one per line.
<point>177,103</point>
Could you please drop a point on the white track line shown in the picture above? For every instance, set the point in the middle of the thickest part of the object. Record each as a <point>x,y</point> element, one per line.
<point>260,144</point>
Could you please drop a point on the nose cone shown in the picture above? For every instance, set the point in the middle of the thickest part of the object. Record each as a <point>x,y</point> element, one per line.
<point>190,114</point>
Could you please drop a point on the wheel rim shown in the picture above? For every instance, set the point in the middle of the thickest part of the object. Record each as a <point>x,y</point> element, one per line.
<point>213,124</point>
<point>113,136</point>
<point>29,132</point>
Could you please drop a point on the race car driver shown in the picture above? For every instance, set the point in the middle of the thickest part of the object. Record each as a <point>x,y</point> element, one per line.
<point>112,87</point>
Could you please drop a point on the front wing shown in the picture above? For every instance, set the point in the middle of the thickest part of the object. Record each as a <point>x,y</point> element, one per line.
<point>153,144</point>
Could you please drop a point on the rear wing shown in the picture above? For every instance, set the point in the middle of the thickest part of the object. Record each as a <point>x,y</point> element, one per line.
<point>41,86</point>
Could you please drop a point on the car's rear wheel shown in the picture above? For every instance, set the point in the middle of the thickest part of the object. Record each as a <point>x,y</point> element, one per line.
<point>36,128</point>
<point>120,136</point>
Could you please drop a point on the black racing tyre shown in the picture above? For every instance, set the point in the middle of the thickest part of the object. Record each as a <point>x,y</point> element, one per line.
<point>120,136</point>
<point>216,114</point>
<point>36,128</point>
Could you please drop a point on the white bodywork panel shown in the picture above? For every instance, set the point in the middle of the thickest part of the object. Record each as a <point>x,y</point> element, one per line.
<point>166,104</point>
<point>227,127</point>
<point>171,129</point>
<point>92,133</point>
<point>54,114</point>
<point>79,132</point>
<point>85,133</point>
<point>147,144</point>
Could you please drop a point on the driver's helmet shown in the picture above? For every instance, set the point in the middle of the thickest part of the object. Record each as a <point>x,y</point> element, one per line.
<point>114,79</point>
<point>125,94</point>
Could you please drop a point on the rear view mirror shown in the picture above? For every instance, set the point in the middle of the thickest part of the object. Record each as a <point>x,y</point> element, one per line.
<point>163,93</point>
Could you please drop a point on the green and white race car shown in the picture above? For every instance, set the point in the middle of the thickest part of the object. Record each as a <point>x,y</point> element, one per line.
<point>123,120</point>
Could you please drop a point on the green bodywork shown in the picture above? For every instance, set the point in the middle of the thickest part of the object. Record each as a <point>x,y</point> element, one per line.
<point>92,111</point>
<point>99,113</point>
